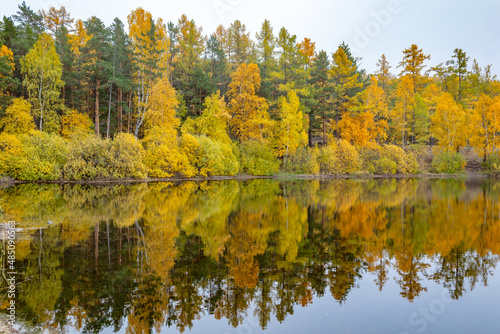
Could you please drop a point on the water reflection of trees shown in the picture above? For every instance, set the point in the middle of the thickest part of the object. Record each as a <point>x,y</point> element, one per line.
<point>163,253</point>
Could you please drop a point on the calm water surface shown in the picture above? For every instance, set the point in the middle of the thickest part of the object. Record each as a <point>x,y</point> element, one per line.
<point>339,256</point>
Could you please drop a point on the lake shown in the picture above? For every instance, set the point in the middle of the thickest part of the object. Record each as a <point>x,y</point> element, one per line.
<point>273,256</point>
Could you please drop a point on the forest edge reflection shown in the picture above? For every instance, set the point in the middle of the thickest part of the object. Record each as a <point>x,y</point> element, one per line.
<point>166,254</point>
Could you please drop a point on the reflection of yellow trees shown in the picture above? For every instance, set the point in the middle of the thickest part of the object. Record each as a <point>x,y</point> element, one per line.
<point>43,286</point>
<point>212,206</point>
<point>274,243</point>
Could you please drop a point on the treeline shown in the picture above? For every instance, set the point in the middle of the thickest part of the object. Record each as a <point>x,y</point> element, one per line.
<point>226,103</point>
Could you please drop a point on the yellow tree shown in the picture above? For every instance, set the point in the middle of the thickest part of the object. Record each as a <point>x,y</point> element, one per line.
<point>375,102</point>
<point>42,71</point>
<point>485,125</point>
<point>402,112</point>
<point>18,119</point>
<point>248,111</point>
<point>412,65</point>
<point>449,123</point>
<point>383,73</point>
<point>149,45</point>
<point>79,38</point>
<point>55,18</point>
<point>7,82</point>
<point>345,79</point>
<point>213,122</point>
<point>308,50</point>
<point>162,106</point>
<point>289,132</point>
<point>366,123</point>
<point>75,124</point>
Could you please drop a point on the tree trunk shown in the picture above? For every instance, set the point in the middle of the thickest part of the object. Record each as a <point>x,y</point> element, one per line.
<point>120,110</point>
<point>96,113</point>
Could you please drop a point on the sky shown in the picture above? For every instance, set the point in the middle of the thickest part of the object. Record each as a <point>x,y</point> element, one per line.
<point>370,27</point>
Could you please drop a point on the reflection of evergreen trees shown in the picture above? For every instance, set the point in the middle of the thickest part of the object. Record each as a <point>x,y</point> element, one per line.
<point>165,254</point>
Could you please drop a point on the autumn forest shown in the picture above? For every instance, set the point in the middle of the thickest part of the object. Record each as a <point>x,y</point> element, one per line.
<point>150,98</point>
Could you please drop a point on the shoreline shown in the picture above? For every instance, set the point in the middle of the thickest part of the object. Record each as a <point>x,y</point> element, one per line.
<point>4,182</point>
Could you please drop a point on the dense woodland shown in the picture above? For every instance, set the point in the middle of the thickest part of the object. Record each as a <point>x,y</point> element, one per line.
<point>82,100</point>
<point>139,257</point>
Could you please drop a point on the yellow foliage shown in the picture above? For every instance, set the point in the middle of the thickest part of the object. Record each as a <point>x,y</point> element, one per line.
<point>79,39</point>
<point>388,159</point>
<point>18,119</point>
<point>485,124</point>
<point>289,132</point>
<point>164,157</point>
<point>449,123</point>
<point>162,106</point>
<point>209,157</point>
<point>212,123</point>
<point>257,159</point>
<point>55,18</point>
<point>338,157</point>
<point>94,158</point>
<point>401,115</point>
<point>249,116</point>
<point>75,124</point>
<point>361,129</point>
<point>6,52</point>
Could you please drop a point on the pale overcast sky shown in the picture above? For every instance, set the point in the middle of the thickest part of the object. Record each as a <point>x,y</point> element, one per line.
<point>371,28</point>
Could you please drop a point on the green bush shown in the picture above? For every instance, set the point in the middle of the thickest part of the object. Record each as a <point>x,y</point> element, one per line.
<point>96,158</point>
<point>88,158</point>
<point>338,158</point>
<point>216,158</point>
<point>127,155</point>
<point>304,161</point>
<point>37,156</point>
<point>448,162</point>
<point>257,159</point>
<point>492,165</point>
<point>388,159</point>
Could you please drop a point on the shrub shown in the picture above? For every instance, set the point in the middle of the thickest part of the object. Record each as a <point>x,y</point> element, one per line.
<point>304,161</point>
<point>448,162</point>
<point>94,158</point>
<point>209,157</point>
<point>492,165</point>
<point>257,159</point>
<point>338,158</point>
<point>127,154</point>
<point>164,157</point>
<point>216,158</point>
<point>32,157</point>
<point>388,159</point>
<point>11,151</point>
<point>88,158</point>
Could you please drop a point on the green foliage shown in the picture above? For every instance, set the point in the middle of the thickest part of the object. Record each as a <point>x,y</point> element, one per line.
<point>42,71</point>
<point>338,157</point>
<point>448,162</point>
<point>388,159</point>
<point>96,158</point>
<point>492,165</point>
<point>257,159</point>
<point>304,161</point>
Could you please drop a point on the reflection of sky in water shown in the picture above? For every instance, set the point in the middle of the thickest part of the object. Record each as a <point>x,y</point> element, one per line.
<point>367,310</point>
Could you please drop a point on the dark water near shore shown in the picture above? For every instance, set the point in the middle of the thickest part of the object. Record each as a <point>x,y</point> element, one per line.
<point>336,256</point>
